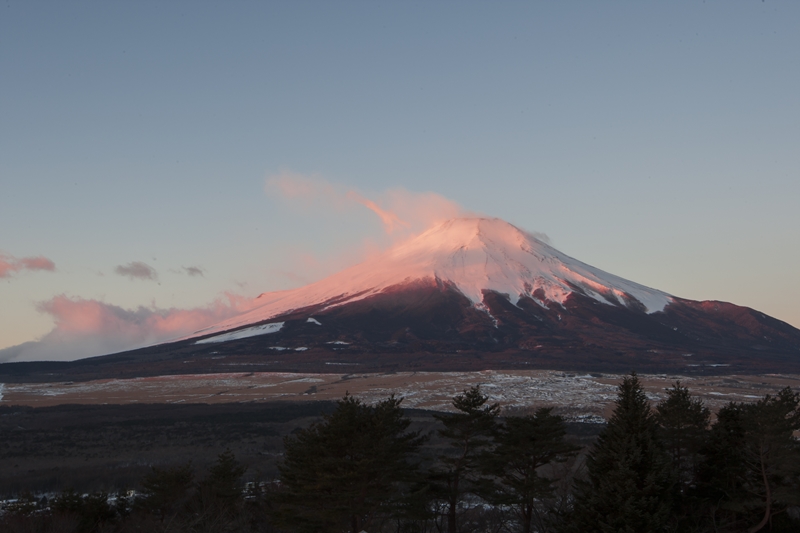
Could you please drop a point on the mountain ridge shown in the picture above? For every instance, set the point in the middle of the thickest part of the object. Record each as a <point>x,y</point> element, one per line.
<point>471,294</point>
<point>475,254</point>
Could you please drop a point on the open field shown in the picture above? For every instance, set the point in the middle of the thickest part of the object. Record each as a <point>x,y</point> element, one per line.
<point>106,434</point>
<point>586,397</point>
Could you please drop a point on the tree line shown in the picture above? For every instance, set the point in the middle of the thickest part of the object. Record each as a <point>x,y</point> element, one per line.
<point>666,468</point>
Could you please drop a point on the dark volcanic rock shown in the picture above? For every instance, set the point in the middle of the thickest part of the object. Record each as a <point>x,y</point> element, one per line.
<point>429,325</point>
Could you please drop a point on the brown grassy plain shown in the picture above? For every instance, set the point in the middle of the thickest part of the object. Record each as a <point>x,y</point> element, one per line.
<point>577,395</point>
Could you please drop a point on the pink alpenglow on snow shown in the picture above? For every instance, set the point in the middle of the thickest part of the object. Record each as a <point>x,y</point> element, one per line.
<point>10,265</point>
<point>474,254</point>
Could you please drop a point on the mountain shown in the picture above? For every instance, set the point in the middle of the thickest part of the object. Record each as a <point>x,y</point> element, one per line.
<point>473,294</point>
<point>472,256</point>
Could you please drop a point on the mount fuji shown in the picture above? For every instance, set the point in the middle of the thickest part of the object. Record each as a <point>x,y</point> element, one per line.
<point>472,256</point>
<point>473,294</point>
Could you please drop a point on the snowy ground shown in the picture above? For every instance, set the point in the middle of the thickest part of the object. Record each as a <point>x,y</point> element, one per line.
<point>577,396</point>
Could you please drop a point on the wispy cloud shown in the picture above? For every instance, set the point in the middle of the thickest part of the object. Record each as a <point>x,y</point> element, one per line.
<point>137,270</point>
<point>10,265</point>
<point>400,211</point>
<point>306,266</point>
<point>86,327</point>
<point>421,210</point>
<point>390,220</point>
<point>303,187</point>
<point>194,271</point>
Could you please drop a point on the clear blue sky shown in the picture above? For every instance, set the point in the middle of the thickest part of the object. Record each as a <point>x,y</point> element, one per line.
<point>657,141</point>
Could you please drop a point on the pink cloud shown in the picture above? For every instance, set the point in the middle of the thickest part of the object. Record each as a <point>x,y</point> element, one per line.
<point>298,186</point>
<point>402,214</point>
<point>390,220</point>
<point>307,267</point>
<point>85,327</point>
<point>421,210</point>
<point>400,211</point>
<point>10,265</point>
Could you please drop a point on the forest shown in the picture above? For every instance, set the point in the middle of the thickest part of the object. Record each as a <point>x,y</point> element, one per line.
<point>672,466</point>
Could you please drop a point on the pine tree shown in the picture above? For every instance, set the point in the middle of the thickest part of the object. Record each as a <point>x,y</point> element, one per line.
<point>629,483</point>
<point>218,501</point>
<point>166,490</point>
<point>347,472</point>
<point>524,445</point>
<point>470,431</point>
<point>683,428</point>
<point>751,469</point>
<point>683,422</point>
<point>224,480</point>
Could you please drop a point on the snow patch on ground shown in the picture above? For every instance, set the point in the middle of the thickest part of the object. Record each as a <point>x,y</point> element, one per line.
<point>576,396</point>
<point>263,329</point>
<point>313,321</point>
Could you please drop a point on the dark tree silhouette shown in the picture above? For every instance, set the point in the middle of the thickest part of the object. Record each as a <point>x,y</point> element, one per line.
<point>683,427</point>
<point>347,472</point>
<point>470,431</point>
<point>752,462</point>
<point>166,491</point>
<point>92,511</point>
<point>218,500</point>
<point>629,483</point>
<point>683,423</point>
<point>224,480</point>
<point>524,445</point>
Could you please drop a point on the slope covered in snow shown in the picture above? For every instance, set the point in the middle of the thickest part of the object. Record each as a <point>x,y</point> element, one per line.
<point>263,329</point>
<point>473,254</point>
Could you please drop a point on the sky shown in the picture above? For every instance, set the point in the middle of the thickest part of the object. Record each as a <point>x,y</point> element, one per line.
<point>162,163</point>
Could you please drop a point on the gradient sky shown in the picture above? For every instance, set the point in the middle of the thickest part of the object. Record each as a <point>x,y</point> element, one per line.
<point>146,148</point>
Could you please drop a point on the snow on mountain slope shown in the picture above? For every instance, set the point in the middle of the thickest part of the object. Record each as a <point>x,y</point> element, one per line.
<point>474,254</point>
<point>244,333</point>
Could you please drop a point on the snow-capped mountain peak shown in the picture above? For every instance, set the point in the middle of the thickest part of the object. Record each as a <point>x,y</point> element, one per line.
<point>471,254</point>
<point>478,254</point>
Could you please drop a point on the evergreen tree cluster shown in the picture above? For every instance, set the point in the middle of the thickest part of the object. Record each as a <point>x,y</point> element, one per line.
<point>671,467</point>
